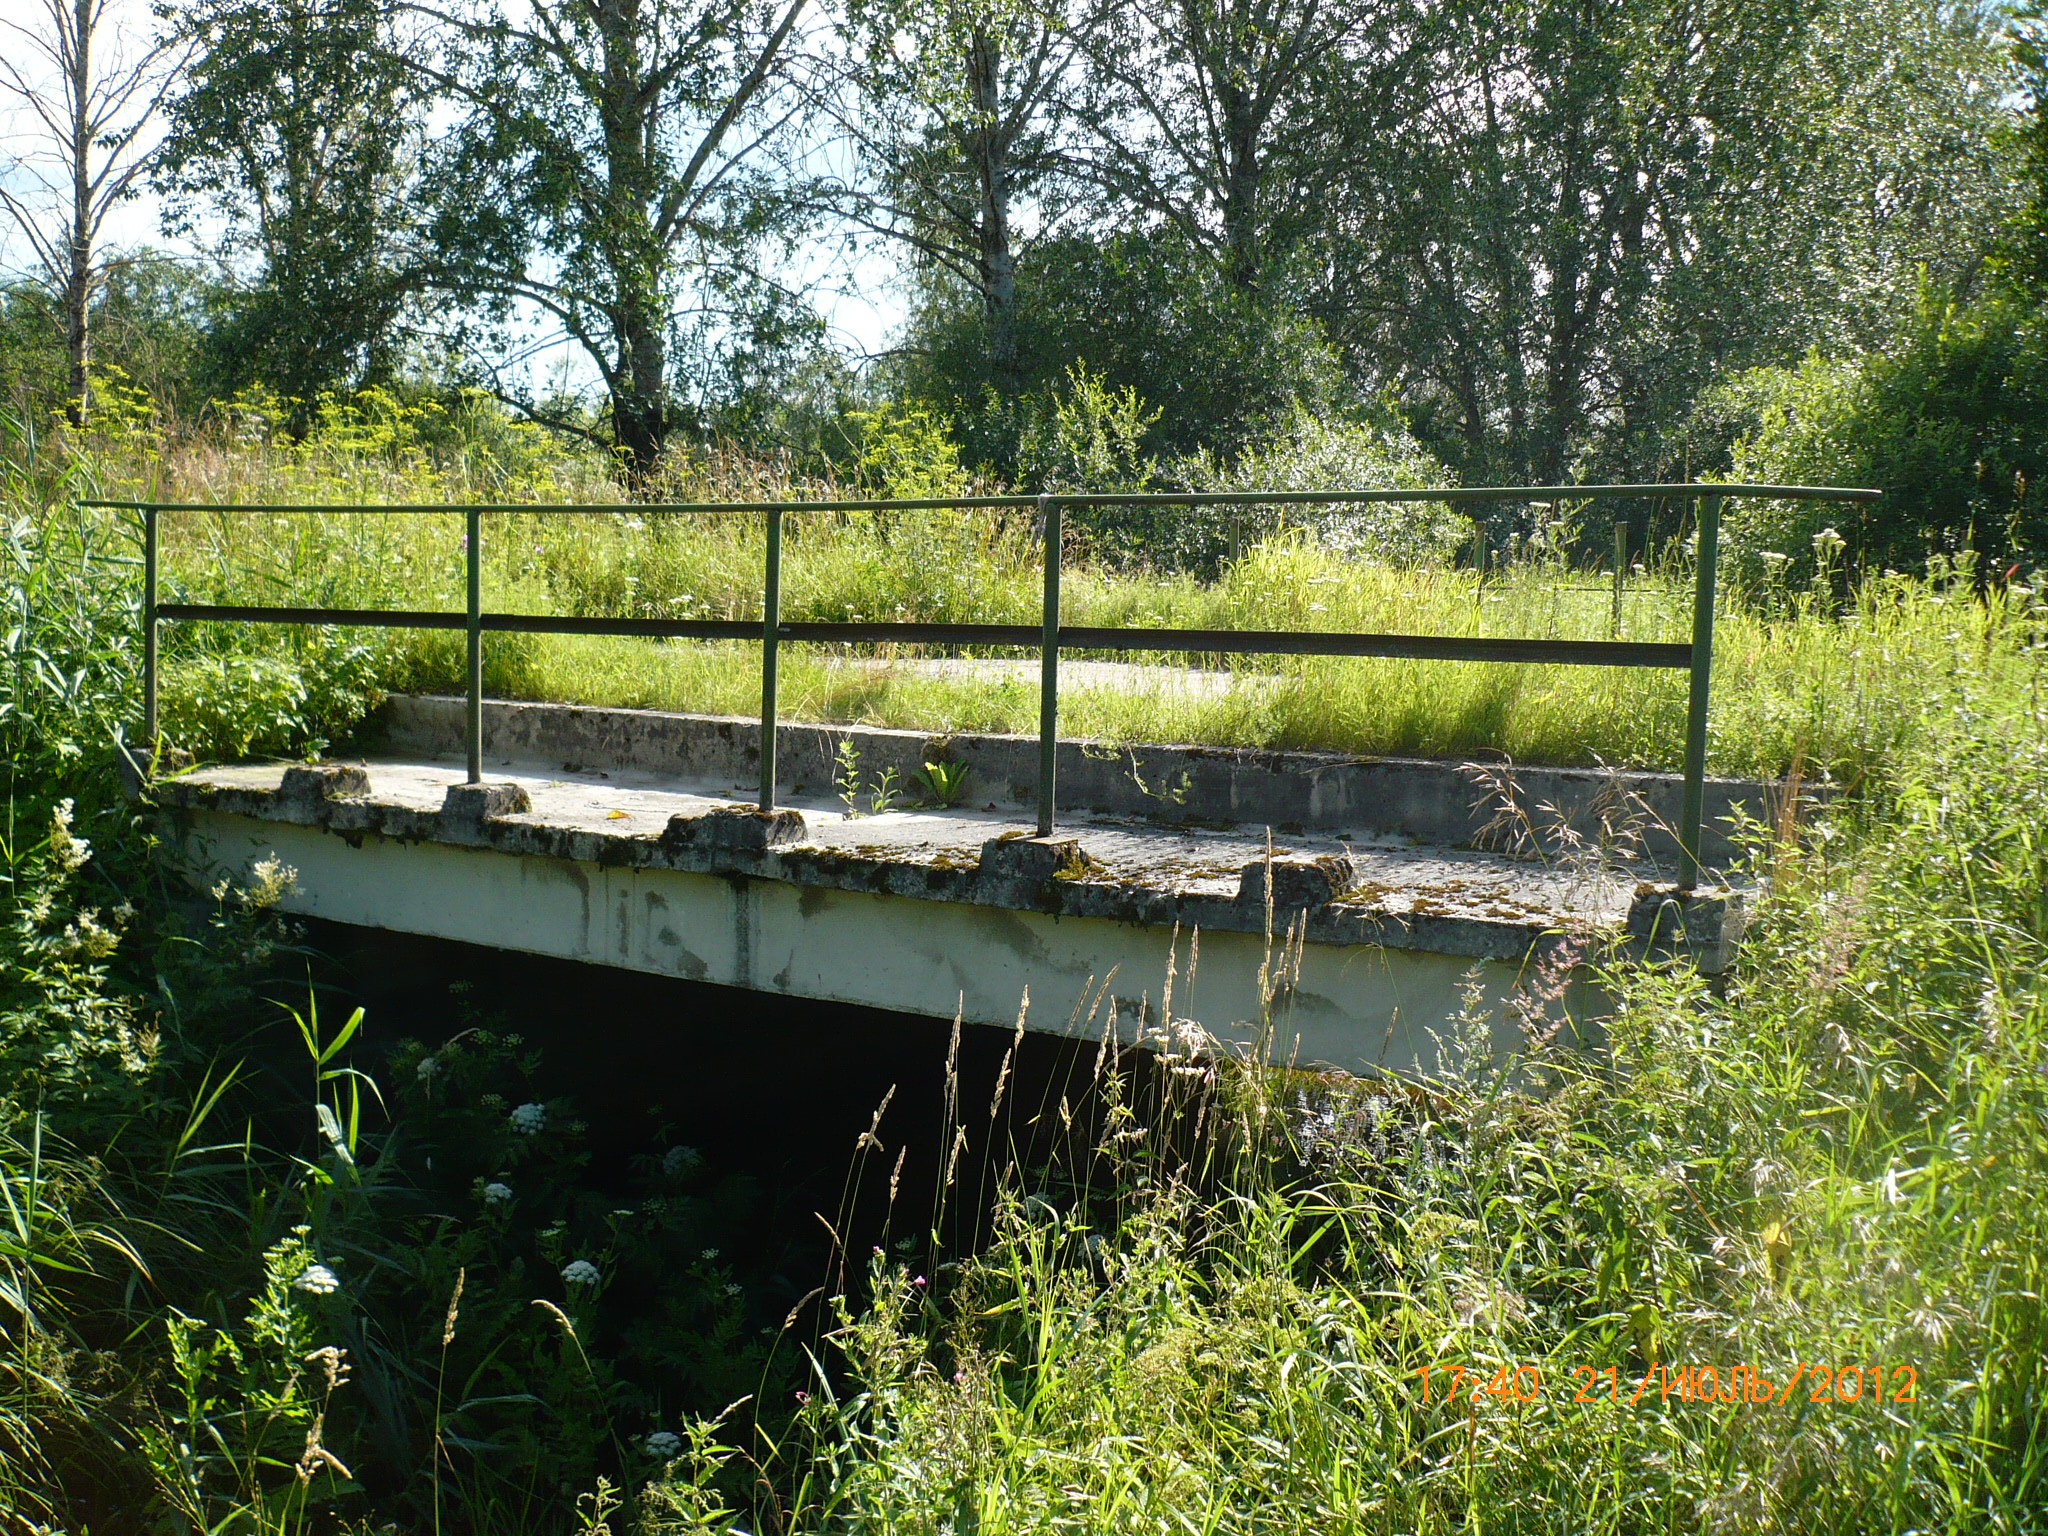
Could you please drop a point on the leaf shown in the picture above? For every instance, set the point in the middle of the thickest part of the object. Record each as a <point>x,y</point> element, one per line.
<point>330,1127</point>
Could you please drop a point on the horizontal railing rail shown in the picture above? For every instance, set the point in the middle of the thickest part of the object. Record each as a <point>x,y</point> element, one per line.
<point>1050,636</point>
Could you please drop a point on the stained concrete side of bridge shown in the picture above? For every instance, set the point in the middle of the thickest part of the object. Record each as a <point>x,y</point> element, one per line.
<point>1349,947</point>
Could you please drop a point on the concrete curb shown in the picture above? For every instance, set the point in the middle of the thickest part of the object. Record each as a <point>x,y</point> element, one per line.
<point>1445,804</point>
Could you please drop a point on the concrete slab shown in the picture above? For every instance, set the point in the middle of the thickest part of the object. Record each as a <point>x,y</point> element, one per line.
<point>931,911</point>
<point>1404,800</point>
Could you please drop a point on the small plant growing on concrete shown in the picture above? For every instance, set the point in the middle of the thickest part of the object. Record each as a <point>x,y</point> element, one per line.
<point>1168,791</point>
<point>847,779</point>
<point>942,783</point>
<point>884,795</point>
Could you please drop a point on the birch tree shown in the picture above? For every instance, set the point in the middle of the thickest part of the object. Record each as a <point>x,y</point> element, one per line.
<point>92,99</point>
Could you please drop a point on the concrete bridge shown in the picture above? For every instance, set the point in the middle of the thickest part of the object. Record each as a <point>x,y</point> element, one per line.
<point>1171,892</point>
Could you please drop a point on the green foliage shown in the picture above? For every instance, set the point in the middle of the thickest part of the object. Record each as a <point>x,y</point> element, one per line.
<point>602,166</point>
<point>942,783</point>
<point>1952,422</point>
<point>1304,453</point>
<point>906,453</point>
<point>146,324</point>
<point>1140,314</point>
<point>2029,26</point>
<point>1080,435</point>
<point>289,128</point>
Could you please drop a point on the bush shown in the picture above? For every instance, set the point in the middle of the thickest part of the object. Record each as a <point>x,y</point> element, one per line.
<point>1144,314</point>
<point>1951,423</point>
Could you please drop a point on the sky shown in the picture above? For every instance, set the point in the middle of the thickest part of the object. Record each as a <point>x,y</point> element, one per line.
<point>861,322</point>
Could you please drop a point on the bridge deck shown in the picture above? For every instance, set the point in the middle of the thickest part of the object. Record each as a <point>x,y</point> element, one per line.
<point>919,909</point>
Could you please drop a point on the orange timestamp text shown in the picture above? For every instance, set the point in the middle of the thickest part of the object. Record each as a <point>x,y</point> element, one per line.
<point>1479,1386</point>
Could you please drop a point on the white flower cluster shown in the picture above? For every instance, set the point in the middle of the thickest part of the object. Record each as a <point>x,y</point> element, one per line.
<point>496,1193</point>
<point>680,1160</point>
<point>663,1444</point>
<point>69,853</point>
<point>87,936</point>
<point>270,881</point>
<point>529,1119</point>
<point>317,1280</point>
<point>580,1272</point>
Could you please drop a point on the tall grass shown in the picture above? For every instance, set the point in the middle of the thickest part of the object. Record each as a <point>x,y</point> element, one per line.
<point>1798,680</point>
<point>1827,1175</point>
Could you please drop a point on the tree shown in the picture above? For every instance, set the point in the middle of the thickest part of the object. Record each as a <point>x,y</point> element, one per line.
<point>1951,420</point>
<point>605,169</point>
<point>1200,112</point>
<point>94,117</point>
<point>1145,313</point>
<point>145,323</point>
<point>292,127</point>
<point>2030,50</point>
<point>1602,205</point>
<point>951,108</point>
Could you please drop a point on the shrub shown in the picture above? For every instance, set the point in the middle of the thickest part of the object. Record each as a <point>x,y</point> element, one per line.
<point>1951,423</point>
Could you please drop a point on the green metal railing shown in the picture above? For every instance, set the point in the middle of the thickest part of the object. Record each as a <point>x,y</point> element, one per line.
<point>1050,636</point>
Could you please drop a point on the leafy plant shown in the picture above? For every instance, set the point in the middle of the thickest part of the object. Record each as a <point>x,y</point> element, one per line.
<point>846,775</point>
<point>942,783</point>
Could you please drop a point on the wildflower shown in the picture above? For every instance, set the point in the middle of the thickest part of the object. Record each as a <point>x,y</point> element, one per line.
<point>270,881</point>
<point>428,1066</point>
<point>580,1272</point>
<point>496,1193</point>
<point>919,1281</point>
<point>528,1119</point>
<point>1827,539</point>
<point>802,1398</point>
<point>663,1444</point>
<point>708,1255</point>
<point>88,937</point>
<point>731,1289</point>
<point>680,1159</point>
<point>1773,559</point>
<point>69,852</point>
<point>317,1280</point>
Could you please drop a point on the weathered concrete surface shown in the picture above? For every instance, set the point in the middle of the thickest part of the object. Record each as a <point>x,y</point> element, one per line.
<point>1436,803</point>
<point>926,911</point>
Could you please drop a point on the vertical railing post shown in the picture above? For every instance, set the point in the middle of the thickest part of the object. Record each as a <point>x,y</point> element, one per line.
<point>1049,666</point>
<point>1692,808</point>
<point>771,636</point>
<point>473,716</point>
<point>149,705</point>
<point>1620,567</point>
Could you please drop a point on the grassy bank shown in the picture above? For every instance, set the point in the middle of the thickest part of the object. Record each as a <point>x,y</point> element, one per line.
<point>1799,678</point>
<point>1830,685</point>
